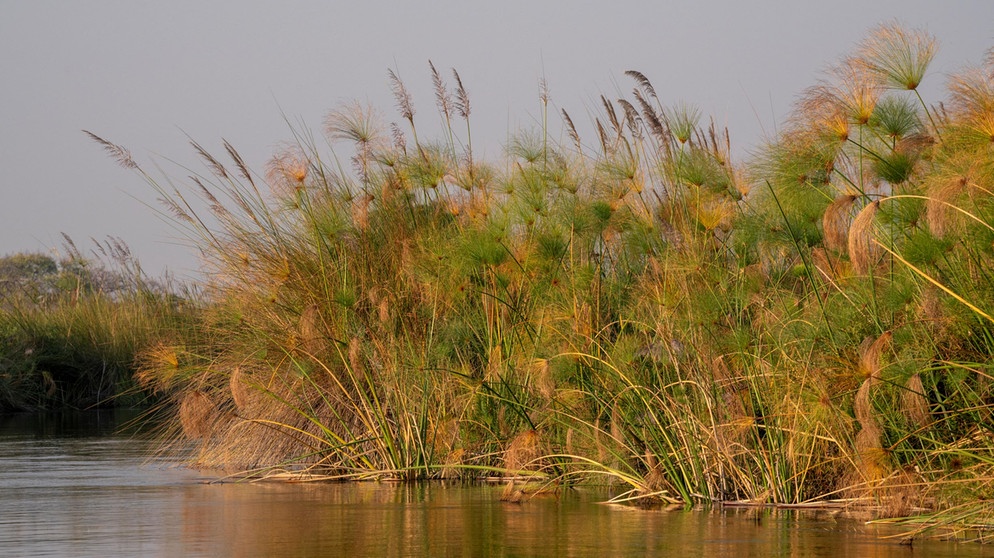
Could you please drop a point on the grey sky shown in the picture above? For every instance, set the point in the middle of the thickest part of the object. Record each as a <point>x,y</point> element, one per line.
<point>146,73</point>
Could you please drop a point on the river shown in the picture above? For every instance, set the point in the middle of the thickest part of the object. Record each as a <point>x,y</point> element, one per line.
<point>76,485</point>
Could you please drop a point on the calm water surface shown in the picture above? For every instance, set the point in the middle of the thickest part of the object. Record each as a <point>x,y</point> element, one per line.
<point>73,485</point>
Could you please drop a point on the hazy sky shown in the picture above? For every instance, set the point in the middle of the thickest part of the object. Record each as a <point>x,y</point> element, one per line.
<point>145,74</point>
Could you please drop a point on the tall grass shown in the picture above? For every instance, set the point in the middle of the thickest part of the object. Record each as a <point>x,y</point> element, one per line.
<point>73,328</point>
<point>812,326</point>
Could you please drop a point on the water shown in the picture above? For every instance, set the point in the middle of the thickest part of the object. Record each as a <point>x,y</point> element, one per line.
<point>71,485</point>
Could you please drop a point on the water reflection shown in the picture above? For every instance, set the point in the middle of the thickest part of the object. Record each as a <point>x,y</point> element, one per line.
<point>74,488</point>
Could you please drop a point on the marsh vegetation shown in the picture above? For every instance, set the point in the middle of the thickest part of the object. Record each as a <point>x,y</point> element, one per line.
<point>812,326</point>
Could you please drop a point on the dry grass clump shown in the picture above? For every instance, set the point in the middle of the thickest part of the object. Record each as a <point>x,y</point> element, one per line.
<point>240,391</point>
<point>874,464</point>
<point>914,403</point>
<point>524,453</point>
<point>902,494</point>
<point>198,415</point>
<point>863,251</point>
<point>836,222</point>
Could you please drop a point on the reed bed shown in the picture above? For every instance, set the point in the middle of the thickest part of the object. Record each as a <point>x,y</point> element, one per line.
<point>72,327</point>
<point>812,326</point>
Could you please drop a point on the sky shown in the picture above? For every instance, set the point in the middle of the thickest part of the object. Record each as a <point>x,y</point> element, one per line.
<point>152,75</point>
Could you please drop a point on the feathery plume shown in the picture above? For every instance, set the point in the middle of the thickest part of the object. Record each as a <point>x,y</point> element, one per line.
<point>240,392</point>
<point>632,118</point>
<point>650,115</point>
<point>308,327</point>
<point>863,406</point>
<point>197,414</point>
<point>174,208</point>
<point>442,97</point>
<point>403,97</point>
<point>216,206</point>
<point>612,115</point>
<point>820,112</point>
<point>211,161</point>
<point>571,130</point>
<point>643,82</point>
<point>602,134</point>
<point>462,97</point>
<point>70,247</point>
<point>356,123</point>
<point>399,140</point>
<point>856,91</point>
<point>239,162</point>
<point>523,452</point>
<point>287,170</point>
<point>118,153</point>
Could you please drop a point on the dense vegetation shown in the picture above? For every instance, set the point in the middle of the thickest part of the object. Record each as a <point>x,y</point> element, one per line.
<point>71,327</point>
<point>814,325</point>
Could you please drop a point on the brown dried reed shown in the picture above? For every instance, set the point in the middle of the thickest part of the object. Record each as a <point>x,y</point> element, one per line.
<point>241,393</point>
<point>835,222</point>
<point>871,354</point>
<point>914,404</point>
<point>197,414</point>
<point>873,460</point>
<point>118,153</point>
<point>863,253</point>
<point>309,329</point>
<point>524,452</point>
<point>940,216</point>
